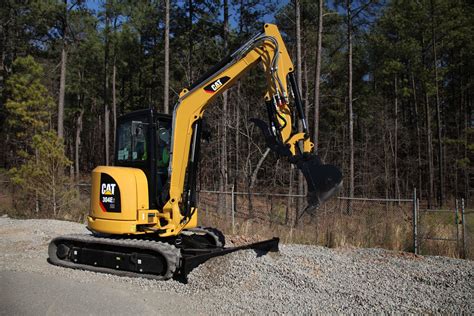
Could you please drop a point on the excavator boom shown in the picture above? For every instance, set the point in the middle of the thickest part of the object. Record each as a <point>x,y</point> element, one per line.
<point>269,50</point>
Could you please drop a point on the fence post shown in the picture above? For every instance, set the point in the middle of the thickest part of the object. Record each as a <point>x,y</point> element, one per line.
<point>463,230</point>
<point>415,222</point>
<point>233,210</point>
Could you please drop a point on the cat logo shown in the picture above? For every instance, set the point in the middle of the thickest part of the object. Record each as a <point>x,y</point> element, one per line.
<point>108,188</point>
<point>216,85</point>
<point>109,200</point>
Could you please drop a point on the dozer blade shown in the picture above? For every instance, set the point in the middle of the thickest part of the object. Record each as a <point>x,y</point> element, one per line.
<point>323,180</point>
<point>194,257</point>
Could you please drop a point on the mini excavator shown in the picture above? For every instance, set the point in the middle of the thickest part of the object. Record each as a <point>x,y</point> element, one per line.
<point>143,215</point>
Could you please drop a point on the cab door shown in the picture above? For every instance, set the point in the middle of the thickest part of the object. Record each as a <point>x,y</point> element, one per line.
<point>163,150</point>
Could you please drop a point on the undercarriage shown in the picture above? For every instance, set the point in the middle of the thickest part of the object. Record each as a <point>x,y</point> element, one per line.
<point>147,257</point>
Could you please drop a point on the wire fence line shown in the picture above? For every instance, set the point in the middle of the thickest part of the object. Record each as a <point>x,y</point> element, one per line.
<point>458,233</point>
<point>280,209</point>
<point>241,203</point>
<point>303,196</point>
<point>421,229</point>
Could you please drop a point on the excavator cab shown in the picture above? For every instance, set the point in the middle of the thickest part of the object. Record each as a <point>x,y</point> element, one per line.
<point>143,142</point>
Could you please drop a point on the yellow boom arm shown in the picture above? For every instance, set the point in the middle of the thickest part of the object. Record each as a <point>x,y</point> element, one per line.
<point>266,48</point>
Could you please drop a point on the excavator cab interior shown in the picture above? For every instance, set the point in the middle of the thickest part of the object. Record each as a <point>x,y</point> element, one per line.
<point>143,142</point>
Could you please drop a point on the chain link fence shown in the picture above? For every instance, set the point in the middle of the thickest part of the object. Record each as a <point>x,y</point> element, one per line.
<point>398,224</point>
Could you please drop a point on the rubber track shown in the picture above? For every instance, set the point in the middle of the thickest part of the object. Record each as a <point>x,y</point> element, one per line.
<point>218,236</point>
<point>171,254</point>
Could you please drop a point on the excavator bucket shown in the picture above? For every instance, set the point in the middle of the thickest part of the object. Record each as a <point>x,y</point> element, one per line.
<point>323,180</point>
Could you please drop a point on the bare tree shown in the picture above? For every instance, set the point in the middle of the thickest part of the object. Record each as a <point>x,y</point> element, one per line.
<point>395,158</point>
<point>418,136</point>
<point>78,141</point>
<point>317,76</point>
<point>106,85</point>
<point>429,141</point>
<point>349,97</point>
<point>223,179</point>
<point>299,79</point>
<point>190,40</point>
<point>116,20</point>
<point>167,58</point>
<point>438,110</point>
<point>62,80</point>
<point>114,98</point>
<point>257,167</point>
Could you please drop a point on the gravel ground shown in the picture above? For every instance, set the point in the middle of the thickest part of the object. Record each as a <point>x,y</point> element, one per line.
<point>297,280</point>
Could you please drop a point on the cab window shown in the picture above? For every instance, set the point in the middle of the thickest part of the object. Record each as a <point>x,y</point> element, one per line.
<point>163,137</point>
<point>132,144</point>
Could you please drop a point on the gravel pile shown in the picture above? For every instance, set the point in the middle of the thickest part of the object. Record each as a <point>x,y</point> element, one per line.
<point>298,279</point>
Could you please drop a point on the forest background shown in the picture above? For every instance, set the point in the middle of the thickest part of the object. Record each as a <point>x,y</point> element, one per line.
<point>387,87</point>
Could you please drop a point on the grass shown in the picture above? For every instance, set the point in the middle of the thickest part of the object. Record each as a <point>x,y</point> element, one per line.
<point>18,204</point>
<point>370,225</point>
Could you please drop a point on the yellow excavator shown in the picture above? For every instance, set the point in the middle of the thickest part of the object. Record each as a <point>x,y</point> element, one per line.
<point>144,217</point>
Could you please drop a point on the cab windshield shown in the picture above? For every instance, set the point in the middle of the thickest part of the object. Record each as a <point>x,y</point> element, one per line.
<point>132,141</point>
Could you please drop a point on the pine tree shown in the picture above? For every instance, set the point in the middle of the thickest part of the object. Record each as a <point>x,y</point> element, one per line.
<point>28,105</point>
<point>40,172</point>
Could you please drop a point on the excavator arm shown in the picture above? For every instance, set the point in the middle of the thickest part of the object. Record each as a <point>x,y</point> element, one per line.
<point>267,49</point>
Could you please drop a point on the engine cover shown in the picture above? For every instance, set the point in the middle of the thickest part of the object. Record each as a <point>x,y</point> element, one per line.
<point>118,195</point>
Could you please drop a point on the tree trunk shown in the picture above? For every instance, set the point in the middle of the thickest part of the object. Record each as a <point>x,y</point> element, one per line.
<point>349,102</point>
<point>317,76</point>
<point>299,79</point>
<point>114,101</point>
<point>418,138</point>
<point>167,58</point>
<point>438,113</point>
<point>190,41</point>
<point>385,155</point>
<point>223,179</point>
<point>62,91</point>
<point>78,142</point>
<point>106,89</point>
<point>257,167</point>
<point>395,158</point>
<point>290,198</point>
<point>62,80</point>
<point>467,124</point>
<point>237,134</point>
<point>306,113</point>
<point>306,90</point>
<point>429,142</point>
<point>37,201</point>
